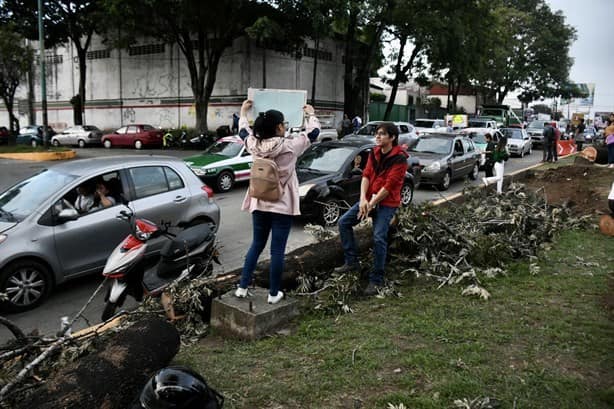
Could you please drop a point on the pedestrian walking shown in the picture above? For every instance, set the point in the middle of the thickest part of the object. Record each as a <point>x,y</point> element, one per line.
<point>235,123</point>
<point>548,142</point>
<point>499,156</point>
<point>346,125</point>
<point>555,143</point>
<point>490,148</point>
<point>609,141</point>
<point>277,154</point>
<point>579,135</point>
<point>356,123</point>
<point>380,196</point>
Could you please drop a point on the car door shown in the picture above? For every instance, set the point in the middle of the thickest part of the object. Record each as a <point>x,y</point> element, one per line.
<point>83,245</point>
<point>352,180</point>
<point>160,195</point>
<point>471,154</point>
<point>130,136</point>
<point>71,135</point>
<point>526,139</point>
<point>458,159</point>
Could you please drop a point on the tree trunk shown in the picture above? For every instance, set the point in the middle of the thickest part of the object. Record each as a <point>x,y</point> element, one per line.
<point>78,108</point>
<point>315,72</point>
<point>263,67</point>
<point>112,377</point>
<point>349,100</point>
<point>397,77</point>
<point>31,116</point>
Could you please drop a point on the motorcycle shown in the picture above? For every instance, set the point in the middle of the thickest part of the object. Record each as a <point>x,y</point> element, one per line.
<point>201,141</point>
<point>186,255</point>
<point>170,141</point>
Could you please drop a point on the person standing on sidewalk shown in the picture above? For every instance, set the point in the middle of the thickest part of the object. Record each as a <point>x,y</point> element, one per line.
<point>273,217</point>
<point>380,196</point>
<point>579,136</point>
<point>555,143</point>
<point>499,156</point>
<point>489,163</point>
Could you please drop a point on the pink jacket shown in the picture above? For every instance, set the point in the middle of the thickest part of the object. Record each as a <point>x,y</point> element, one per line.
<point>285,151</point>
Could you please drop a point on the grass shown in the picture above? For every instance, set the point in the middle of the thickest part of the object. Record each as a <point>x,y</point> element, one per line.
<point>542,341</point>
<point>29,149</point>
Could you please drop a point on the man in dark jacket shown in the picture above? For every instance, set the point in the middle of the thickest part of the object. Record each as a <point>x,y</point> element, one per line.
<point>548,142</point>
<point>490,148</point>
<point>380,196</point>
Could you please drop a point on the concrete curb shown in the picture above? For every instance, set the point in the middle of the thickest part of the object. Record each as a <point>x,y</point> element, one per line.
<point>40,156</point>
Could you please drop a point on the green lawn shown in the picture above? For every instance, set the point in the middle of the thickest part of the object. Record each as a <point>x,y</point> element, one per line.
<point>541,341</point>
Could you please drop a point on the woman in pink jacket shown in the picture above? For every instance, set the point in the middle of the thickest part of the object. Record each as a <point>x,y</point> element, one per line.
<point>269,141</point>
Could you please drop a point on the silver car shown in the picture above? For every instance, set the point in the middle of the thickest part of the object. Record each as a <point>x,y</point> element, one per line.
<point>45,241</point>
<point>80,135</point>
<point>407,132</point>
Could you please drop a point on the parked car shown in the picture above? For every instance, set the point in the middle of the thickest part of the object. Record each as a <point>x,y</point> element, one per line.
<point>444,157</point>
<point>223,163</point>
<point>477,135</point>
<point>4,135</point>
<point>329,183</point>
<point>81,135</point>
<point>535,130</point>
<point>137,135</point>
<point>518,141</point>
<point>44,241</point>
<point>590,134</point>
<point>428,125</point>
<point>328,132</point>
<point>33,134</point>
<point>407,132</point>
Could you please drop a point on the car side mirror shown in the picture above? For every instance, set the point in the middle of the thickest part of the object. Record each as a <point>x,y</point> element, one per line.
<point>66,215</point>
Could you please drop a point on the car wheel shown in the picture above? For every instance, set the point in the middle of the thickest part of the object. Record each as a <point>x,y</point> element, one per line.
<point>330,212</point>
<point>138,144</point>
<point>530,150</point>
<point>445,182</point>
<point>475,172</point>
<point>107,144</point>
<point>407,194</point>
<point>55,143</point>
<point>81,143</point>
<point>26,283</point>
<point>225,181</point>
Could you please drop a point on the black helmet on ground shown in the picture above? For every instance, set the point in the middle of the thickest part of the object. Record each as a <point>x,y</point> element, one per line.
<point>177,387</point>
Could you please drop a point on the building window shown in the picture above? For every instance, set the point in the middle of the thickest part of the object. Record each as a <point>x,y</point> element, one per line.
<point>146,49</point>
<point>98,54</point>
<point>322,54</point>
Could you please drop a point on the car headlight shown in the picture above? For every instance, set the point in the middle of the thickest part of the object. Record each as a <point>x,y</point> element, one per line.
<point>2,237</point>
<point>433,167</point>
<point>304,189</point>
<point>211,170</point>
<point>198,171</point>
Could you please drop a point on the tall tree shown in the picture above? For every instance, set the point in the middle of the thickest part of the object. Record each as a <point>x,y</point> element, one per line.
<point>15,61</point>
<point>202,29</point>
<point>65,20</point>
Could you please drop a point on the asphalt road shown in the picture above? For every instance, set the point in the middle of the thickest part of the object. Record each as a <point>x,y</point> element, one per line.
<point>234,237</point>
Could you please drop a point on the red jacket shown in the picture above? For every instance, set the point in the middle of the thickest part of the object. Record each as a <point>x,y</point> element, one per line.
<point>389,174</point>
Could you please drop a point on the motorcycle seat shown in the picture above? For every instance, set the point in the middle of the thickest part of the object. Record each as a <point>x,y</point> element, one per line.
<point>189,239</point>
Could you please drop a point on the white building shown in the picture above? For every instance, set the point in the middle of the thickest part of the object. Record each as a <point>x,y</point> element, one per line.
<point>149,83</point>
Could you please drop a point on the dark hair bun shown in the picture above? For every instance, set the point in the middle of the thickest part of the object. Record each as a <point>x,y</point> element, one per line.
<point>265,125</point>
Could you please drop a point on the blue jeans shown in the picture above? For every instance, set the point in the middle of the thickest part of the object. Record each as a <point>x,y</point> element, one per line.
<point>264,223</point>
<point>381,222</point>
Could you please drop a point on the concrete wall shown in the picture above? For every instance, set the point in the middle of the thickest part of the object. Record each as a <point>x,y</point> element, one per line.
<point>469,102</point>
<point>155,88</point>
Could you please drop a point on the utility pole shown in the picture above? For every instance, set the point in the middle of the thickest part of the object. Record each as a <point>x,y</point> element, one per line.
<point>41,42</point>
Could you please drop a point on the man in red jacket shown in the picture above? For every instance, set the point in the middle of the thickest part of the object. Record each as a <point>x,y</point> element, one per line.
<point>380,196</point>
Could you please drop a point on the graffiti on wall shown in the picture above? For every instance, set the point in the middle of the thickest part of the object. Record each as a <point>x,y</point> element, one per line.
<point>166,119</point>
<point>129,115</point>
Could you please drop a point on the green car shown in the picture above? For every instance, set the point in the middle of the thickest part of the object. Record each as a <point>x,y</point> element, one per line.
<point>223,163</point>
<point>477,136</point>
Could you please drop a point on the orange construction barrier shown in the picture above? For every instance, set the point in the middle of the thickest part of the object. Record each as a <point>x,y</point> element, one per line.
<point>566,147</point>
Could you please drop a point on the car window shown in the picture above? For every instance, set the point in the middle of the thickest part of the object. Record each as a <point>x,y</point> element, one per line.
<point>433,145</point>
<point>122,130</point>
<point>22,199</point>
<point>536,124</point>
<point>422,123</point>
<point>148,128</point>
<point>511,133</point>
<point>403,129</point>
<point>478,137</point>
<point>467,145</point>
<point>174,181</point>
<point>132,129</point>
<point>367,130</point>
<point>225,148</point>
<point>325,158</point>
<point>458,147</point>
<point>148,180</point>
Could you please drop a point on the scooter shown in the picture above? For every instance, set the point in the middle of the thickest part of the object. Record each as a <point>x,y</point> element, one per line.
<point>189,254</point>
<point>201,141</point>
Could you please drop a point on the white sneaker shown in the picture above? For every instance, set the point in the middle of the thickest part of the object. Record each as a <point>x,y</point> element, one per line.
<point>241,292</point>
<point>277,298</point>
<point>485,181</point>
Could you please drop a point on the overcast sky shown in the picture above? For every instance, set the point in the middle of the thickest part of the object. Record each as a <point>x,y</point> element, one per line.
<point>593,51</point>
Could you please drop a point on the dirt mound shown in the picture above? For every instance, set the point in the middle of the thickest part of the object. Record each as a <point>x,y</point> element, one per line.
<point>583,187</point>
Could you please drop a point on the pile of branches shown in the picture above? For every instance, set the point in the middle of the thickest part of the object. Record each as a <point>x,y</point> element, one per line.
<point>459,243</point>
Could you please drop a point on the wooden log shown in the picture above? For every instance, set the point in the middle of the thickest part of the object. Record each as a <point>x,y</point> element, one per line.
<point>112,377</point>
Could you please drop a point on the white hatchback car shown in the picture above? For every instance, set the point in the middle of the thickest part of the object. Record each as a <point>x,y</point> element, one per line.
<point>518,141</point>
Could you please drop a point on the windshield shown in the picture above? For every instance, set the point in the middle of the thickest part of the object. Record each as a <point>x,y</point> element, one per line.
<point>424,124</point>
<point>478,137</point>
<point>367,130</point>
<point>441,146</point>
<point>512,133</point>
<point>227,148</point>
<point>492,112</point>
<point>477,124</point>
<point>324,158</point>
<point>22,199</point>
<point>537,124</point>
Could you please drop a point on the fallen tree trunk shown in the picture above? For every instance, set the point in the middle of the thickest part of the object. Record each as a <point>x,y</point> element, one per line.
<point>112,377</point>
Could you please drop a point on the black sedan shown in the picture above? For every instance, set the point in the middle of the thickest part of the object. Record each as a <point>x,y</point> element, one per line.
<point>445,157</point>
<point>329,176</point>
